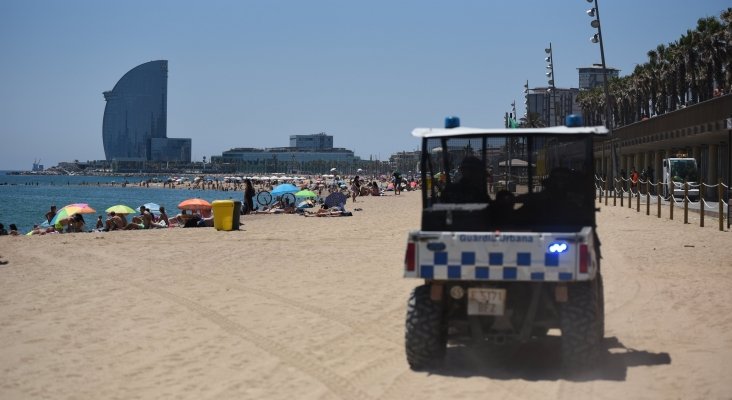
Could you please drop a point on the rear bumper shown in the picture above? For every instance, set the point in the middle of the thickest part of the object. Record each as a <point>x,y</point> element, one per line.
<point>496,256</point>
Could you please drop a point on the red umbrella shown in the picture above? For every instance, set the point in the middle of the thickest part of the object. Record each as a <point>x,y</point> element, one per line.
<point>194,204</point>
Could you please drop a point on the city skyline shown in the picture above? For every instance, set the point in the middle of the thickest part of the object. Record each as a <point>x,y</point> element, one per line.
<point>244,75</point>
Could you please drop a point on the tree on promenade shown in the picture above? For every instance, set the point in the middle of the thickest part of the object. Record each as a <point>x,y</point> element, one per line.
<point>694,68</point>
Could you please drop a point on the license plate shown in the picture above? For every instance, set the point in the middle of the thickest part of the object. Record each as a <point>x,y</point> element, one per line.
<point>485,301</point>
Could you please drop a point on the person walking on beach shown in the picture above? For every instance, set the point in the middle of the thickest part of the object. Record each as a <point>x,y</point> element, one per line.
<point>355,187</point>
<point>249,196</point>
<point>397,182</point>
<point>634,176</point>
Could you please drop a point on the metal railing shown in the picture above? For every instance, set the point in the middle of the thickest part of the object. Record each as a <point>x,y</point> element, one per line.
<point>641,192</point>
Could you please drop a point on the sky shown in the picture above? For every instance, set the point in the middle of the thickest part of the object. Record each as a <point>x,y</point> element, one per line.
<point>247,73</point>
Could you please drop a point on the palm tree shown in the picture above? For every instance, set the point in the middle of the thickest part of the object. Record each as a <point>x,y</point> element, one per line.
<point>680,73</point>
<point>532,120</point>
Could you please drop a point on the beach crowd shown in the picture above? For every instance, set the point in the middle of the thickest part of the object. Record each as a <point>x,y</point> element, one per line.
<point>327,196</point>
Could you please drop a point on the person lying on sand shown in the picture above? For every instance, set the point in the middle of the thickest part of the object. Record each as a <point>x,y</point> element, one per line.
<point>326,211</point>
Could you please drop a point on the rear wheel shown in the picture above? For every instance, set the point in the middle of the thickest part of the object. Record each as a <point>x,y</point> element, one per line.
<point>581,323</point>
<point>426,333</point>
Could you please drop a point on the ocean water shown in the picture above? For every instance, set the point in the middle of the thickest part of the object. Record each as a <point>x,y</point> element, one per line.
<point>25,199</point>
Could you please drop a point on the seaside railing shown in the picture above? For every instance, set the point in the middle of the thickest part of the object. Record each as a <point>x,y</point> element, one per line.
<point>645,192</point>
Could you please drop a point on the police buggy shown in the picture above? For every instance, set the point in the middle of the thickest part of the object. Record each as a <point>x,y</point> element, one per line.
<point>507,247</point>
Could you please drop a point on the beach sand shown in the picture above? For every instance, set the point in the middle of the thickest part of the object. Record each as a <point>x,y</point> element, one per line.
<point>313,308</point>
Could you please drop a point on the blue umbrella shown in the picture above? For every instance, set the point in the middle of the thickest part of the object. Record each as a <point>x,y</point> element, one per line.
<point>153,207</point>
<point>284,189</point>
<point>336,199</point>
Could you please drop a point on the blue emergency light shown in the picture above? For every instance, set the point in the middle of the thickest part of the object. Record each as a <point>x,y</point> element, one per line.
<point>452,122</point>
<point>573,120</point>
<point>558,247</point>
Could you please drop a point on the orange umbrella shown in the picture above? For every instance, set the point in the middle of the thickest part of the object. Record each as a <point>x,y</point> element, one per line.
<point>194,204</point>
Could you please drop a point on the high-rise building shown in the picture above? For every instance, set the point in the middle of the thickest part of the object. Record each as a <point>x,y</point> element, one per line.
<point>553,107</point>
<point>135,118</point>
<point>319,141</point>
<point>591,77</point>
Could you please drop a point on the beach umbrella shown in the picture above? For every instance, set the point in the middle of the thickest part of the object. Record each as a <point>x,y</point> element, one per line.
<point>194,204</point>
<point>153,207</point>
<point>306,193</point>
<point>335,199</point>
<point>333,170</point>
<point>121,209</point>
<point>71,209</point>
<point>284,189</point>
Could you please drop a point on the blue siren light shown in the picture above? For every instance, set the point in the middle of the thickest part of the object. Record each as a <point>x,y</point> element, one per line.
<point>452,122</point>
<point>558,247</point>
<point>573,120</point>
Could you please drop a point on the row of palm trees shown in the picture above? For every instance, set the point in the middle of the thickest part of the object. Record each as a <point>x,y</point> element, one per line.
<point>694,68</point>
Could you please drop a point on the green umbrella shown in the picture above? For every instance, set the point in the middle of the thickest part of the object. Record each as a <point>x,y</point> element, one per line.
<point>121,209</point>
<point>306,193</point>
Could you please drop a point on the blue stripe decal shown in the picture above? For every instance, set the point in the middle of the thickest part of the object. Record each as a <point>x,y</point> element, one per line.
<point>426,271</point>
<point>565,276</point>
<point>481,272</point>
<point>523,259</point>
<point>537,276</point>
<point>440,258</point>
<point>468,258</point>
<point>551,259</point>
<point>509,273</point>
<point>453,272</point>
<point>495,258</point>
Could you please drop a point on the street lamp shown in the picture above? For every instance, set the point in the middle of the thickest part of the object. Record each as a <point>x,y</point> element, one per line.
<point>526,102</point>
<point>597,38</point>
<point>552,89</point>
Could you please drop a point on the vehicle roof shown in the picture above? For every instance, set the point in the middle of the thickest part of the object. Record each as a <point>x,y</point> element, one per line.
<point>465,131</point>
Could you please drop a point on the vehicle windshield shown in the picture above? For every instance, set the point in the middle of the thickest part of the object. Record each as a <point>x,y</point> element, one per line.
<point>533,182</point>
<point>684,170</point>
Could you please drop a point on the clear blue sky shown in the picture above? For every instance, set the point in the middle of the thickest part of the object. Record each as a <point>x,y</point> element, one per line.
<point>252,73</point>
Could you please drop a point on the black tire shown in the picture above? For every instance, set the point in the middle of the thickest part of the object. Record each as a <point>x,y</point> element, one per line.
<point>580,322</point>
<point>264,198</point>
<point>289,198</point>
<point>426,333</point>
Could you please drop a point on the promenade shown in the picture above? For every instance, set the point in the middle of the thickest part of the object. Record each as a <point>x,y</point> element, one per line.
<point>313,308</point>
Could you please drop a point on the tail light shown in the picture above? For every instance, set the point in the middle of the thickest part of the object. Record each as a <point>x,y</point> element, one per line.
<point>409,261</point>
<point>584,258</point>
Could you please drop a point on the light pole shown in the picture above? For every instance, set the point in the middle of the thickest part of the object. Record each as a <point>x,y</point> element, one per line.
<point>597,37</point>
<point>552,89</point>
<point>526,104</point>
<point>729,164</point>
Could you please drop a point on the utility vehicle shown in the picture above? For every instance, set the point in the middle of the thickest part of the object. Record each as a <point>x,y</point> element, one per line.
<point>505,263</point>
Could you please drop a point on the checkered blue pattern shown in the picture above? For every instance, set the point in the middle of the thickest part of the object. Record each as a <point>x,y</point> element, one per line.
<point>500,266</point>
<point>499,257</point>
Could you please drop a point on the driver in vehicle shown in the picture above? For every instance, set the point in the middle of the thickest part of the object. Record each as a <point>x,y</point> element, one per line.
<point>471,186</point>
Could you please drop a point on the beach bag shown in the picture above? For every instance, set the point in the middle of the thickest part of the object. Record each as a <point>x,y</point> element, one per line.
<point>191,223</point>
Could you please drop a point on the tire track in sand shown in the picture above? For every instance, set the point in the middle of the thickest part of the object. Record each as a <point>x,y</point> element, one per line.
<point>337,384</point>
<point>357,326</point>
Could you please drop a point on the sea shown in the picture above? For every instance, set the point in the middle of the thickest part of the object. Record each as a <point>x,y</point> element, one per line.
<point>25,199</point>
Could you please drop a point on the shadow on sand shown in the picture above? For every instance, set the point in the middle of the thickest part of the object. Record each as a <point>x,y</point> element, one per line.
<point>540,360</point>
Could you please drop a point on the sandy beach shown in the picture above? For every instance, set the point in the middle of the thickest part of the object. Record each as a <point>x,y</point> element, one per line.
<point>313,308</point>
